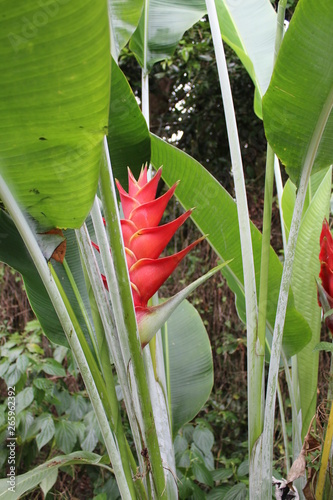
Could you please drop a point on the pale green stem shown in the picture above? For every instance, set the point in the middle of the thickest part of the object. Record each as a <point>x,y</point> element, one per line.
<point>267,215</point>
<point>144,72</point>
<point>108,322</point>
<point>267,445</point>
<point>279,190</point>
<point>325,456</point>
<point>293,394</point>
<point>281,14</point>
<point>283,428</point>
<point>82,309</point>
<point>264,264</point>
<point>126,324</point>
<point>113,339</point>
<point>71,335</point>
<point>255,372</point>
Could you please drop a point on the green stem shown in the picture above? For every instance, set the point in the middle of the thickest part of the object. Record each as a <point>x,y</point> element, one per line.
<point>267,443</point>
<point>69,329</point>
<point>82,308</point>
<point>106,366</point>
<point>267,220</point>
<point>325,457</point>
<point>119,351</point>
<point>255,372</point>
<point>264,264</point>
<point>283,428</point>
<point>127,327</point>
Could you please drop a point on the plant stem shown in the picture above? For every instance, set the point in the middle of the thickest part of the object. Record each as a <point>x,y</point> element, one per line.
<point>267,215</point>
<point>283,428</point>
<point>126,324</point>
<point>279,190</point>
<point>325,456</point>
<point>267,444</point>
<point>255,372</point>
<point>71,335</point>
<point>82,308</point>
<point>104,308</point>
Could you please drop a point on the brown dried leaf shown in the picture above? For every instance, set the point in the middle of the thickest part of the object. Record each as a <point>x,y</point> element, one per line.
<point>60,252</point>
<point>298,468</point>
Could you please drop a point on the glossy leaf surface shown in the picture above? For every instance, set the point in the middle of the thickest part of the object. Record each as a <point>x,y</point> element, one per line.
<point>167,20</point>
<point>298,103</point>
<point>305,272</point>
<point>189,364</point>
<point>128,136</point>
<point>54,93</point>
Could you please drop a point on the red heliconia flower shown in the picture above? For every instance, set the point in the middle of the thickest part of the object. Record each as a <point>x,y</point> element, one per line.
<point>145,240</point>
<point>325,294</point>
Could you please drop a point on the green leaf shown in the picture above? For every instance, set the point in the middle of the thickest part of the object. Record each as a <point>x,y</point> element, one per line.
<point>15,254</point>
<point>124,18</point>
<point>218,493</point>
<point>43,384</point>
<point>167,20</point>
<point>47,432</point>
<point>4,365</point>
<point>180,444</point>
<point>24,399</point>
<point>78,407</point>
<point>243,469</point>
<point>54,92</point>
<point>65,435</point>
<point>300,96</point>
<point>324,346</point>
<point>52,367</point>
<point>305,270</point>
<point>29,481</point>
<point>203,438</point>
<point>237,492</point>
<point>222,474</point>
<point>249,29</point>
<point>22,363</point>
<point>128,136</point>
<point>216,215</point>
<point>201,473</point>
<point>49,481</point>
<point>90,441</point>
<point>304,284</point>
<point>12,375</point>
<point>189,364</point>
<point>154,318</point>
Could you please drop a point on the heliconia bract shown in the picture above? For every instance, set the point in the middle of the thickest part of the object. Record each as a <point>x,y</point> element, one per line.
<point>325,294</point>
<point>145,239</point>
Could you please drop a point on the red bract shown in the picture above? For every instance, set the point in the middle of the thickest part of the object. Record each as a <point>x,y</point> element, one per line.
<point>325,296</point>
<point>144,239</point>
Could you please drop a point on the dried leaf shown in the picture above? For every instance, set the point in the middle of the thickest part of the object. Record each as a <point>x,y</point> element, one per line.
<point>60,251</point>
<point>298,468</point>
<point>283,491</point>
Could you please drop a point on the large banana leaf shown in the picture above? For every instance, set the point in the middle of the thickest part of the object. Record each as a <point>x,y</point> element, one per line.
<point>189,364</point>
<point>161,27</point>
<point>216,215</point>
<point>305,270</point>
<point>128,136</point>
<point>124,18</point>
<point>30,480</point>
<point>249,29</point>
<point>298,103</point>
<point>54,94</point>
